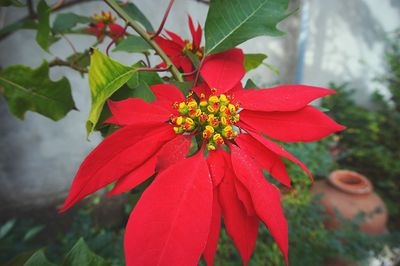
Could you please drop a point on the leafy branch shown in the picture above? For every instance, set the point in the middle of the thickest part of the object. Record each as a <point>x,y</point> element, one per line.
<point>148,38</point>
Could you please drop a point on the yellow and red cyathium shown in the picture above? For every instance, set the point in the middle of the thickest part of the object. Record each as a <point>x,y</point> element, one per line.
<point>105,25</point>
<point>213,118</point>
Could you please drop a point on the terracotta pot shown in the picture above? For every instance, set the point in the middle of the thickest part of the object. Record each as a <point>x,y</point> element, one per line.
<point>350,193</point>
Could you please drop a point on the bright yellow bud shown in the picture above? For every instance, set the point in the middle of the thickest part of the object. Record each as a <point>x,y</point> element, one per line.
<point>211,147</point>
<point>192,105</point>
<point>179,120</point>
<point>178,130</point>
<point>223,109</point>
<point>213,99</point>
<point>198,113</point>
<point>223,98</point>
<point>231,108</point>
<point>189,121</point>
<point>211,109</point>
<point>210,128</point>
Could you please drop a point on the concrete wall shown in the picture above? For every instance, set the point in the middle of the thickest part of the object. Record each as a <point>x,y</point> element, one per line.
<point>346,42</point>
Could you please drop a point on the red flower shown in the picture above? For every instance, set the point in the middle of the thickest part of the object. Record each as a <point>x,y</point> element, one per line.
<point>105,26</point>
<point>178,217</point>
<point>177,49</point>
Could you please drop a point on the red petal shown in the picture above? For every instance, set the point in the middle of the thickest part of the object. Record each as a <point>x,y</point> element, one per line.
<point>216,164</point>
<point>244,197</point>
<point>176,38</point>
<point>242,228</point>
<point>202,88</point>
<point>185,64</point>
<point>215,227</point>
<point>307,124</point>
<point>116,30</point>
<point>266,197</point>
<point>173,151</point>
<point>170,47</point>
<point>196,34</point>
<point>170,223</point>
<point>266,158</point>
<point>134,178</point>
<point>281,98</point>
<point>223,70</point>
<point>272,146</point>
<point>116,156</point>
<point>135,111</point>
<point>166,95</point>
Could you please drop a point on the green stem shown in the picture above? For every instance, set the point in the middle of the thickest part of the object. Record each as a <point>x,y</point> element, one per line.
<point>136,26</point>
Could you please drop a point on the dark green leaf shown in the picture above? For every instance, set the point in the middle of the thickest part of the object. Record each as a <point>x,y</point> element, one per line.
<point>43,33</point>
<point>106,76</point>
<point>38,259</point>
<point>65,22</point>
<point>134,12</point>
<point>132,44</point>
<point>184,87</point>
<point>33,232</point>
<point>11,3</point>
<point>80,254</point>
<point>20,259</point>
<point>194,58</point>
<point>26,89</point>
<point>5,228</point>
<point>79,59</point>
<point>250,85</point>
<point>232,22</point>
<point>252,61</point>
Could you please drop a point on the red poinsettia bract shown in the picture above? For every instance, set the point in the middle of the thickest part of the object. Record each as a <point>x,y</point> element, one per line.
<point>105,26</point>
<point>178,217</point>
<point>177,49</point>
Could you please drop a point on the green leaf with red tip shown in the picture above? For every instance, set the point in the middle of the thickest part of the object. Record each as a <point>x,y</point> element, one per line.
<point>106,76</point>
<point>170,223</point>
<point>232,22</point>
<point>27,89</point>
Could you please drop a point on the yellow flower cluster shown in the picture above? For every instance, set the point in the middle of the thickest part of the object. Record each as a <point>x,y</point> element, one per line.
<point>105,17</point>
<point>213,118</point>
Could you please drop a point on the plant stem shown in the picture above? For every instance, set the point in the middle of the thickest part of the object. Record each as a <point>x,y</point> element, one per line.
<point>174,71</point>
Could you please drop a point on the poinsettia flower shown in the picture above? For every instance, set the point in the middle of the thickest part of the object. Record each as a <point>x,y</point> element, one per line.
<point>105,26</point>
<point>177,48</point>
<point>178,217</point>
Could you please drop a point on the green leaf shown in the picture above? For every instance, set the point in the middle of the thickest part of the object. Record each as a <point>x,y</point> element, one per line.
<point>134,12</point>
<point>252,61</point>
<point>65,22</point>
<point>11,3</point>
<point>26,89</point>
<point>38,259</point>
<point>232,22</point>
<point>132,44</point>
<point>250,85</point>
<point>20,259</point>
<point>5,228</point>
<point>184,87</point>
<point>33,232</point>
<point>80,254</point>
<point>79,59</point>
<point>106,76</point>
<point>43,33</point>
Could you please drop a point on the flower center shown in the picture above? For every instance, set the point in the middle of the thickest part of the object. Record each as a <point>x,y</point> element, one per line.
<point>105,17</point>
<point>213,118</point>
<point>189,47</point>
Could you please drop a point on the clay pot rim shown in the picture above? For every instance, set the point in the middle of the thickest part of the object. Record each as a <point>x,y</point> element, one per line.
<point>350,182</point>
